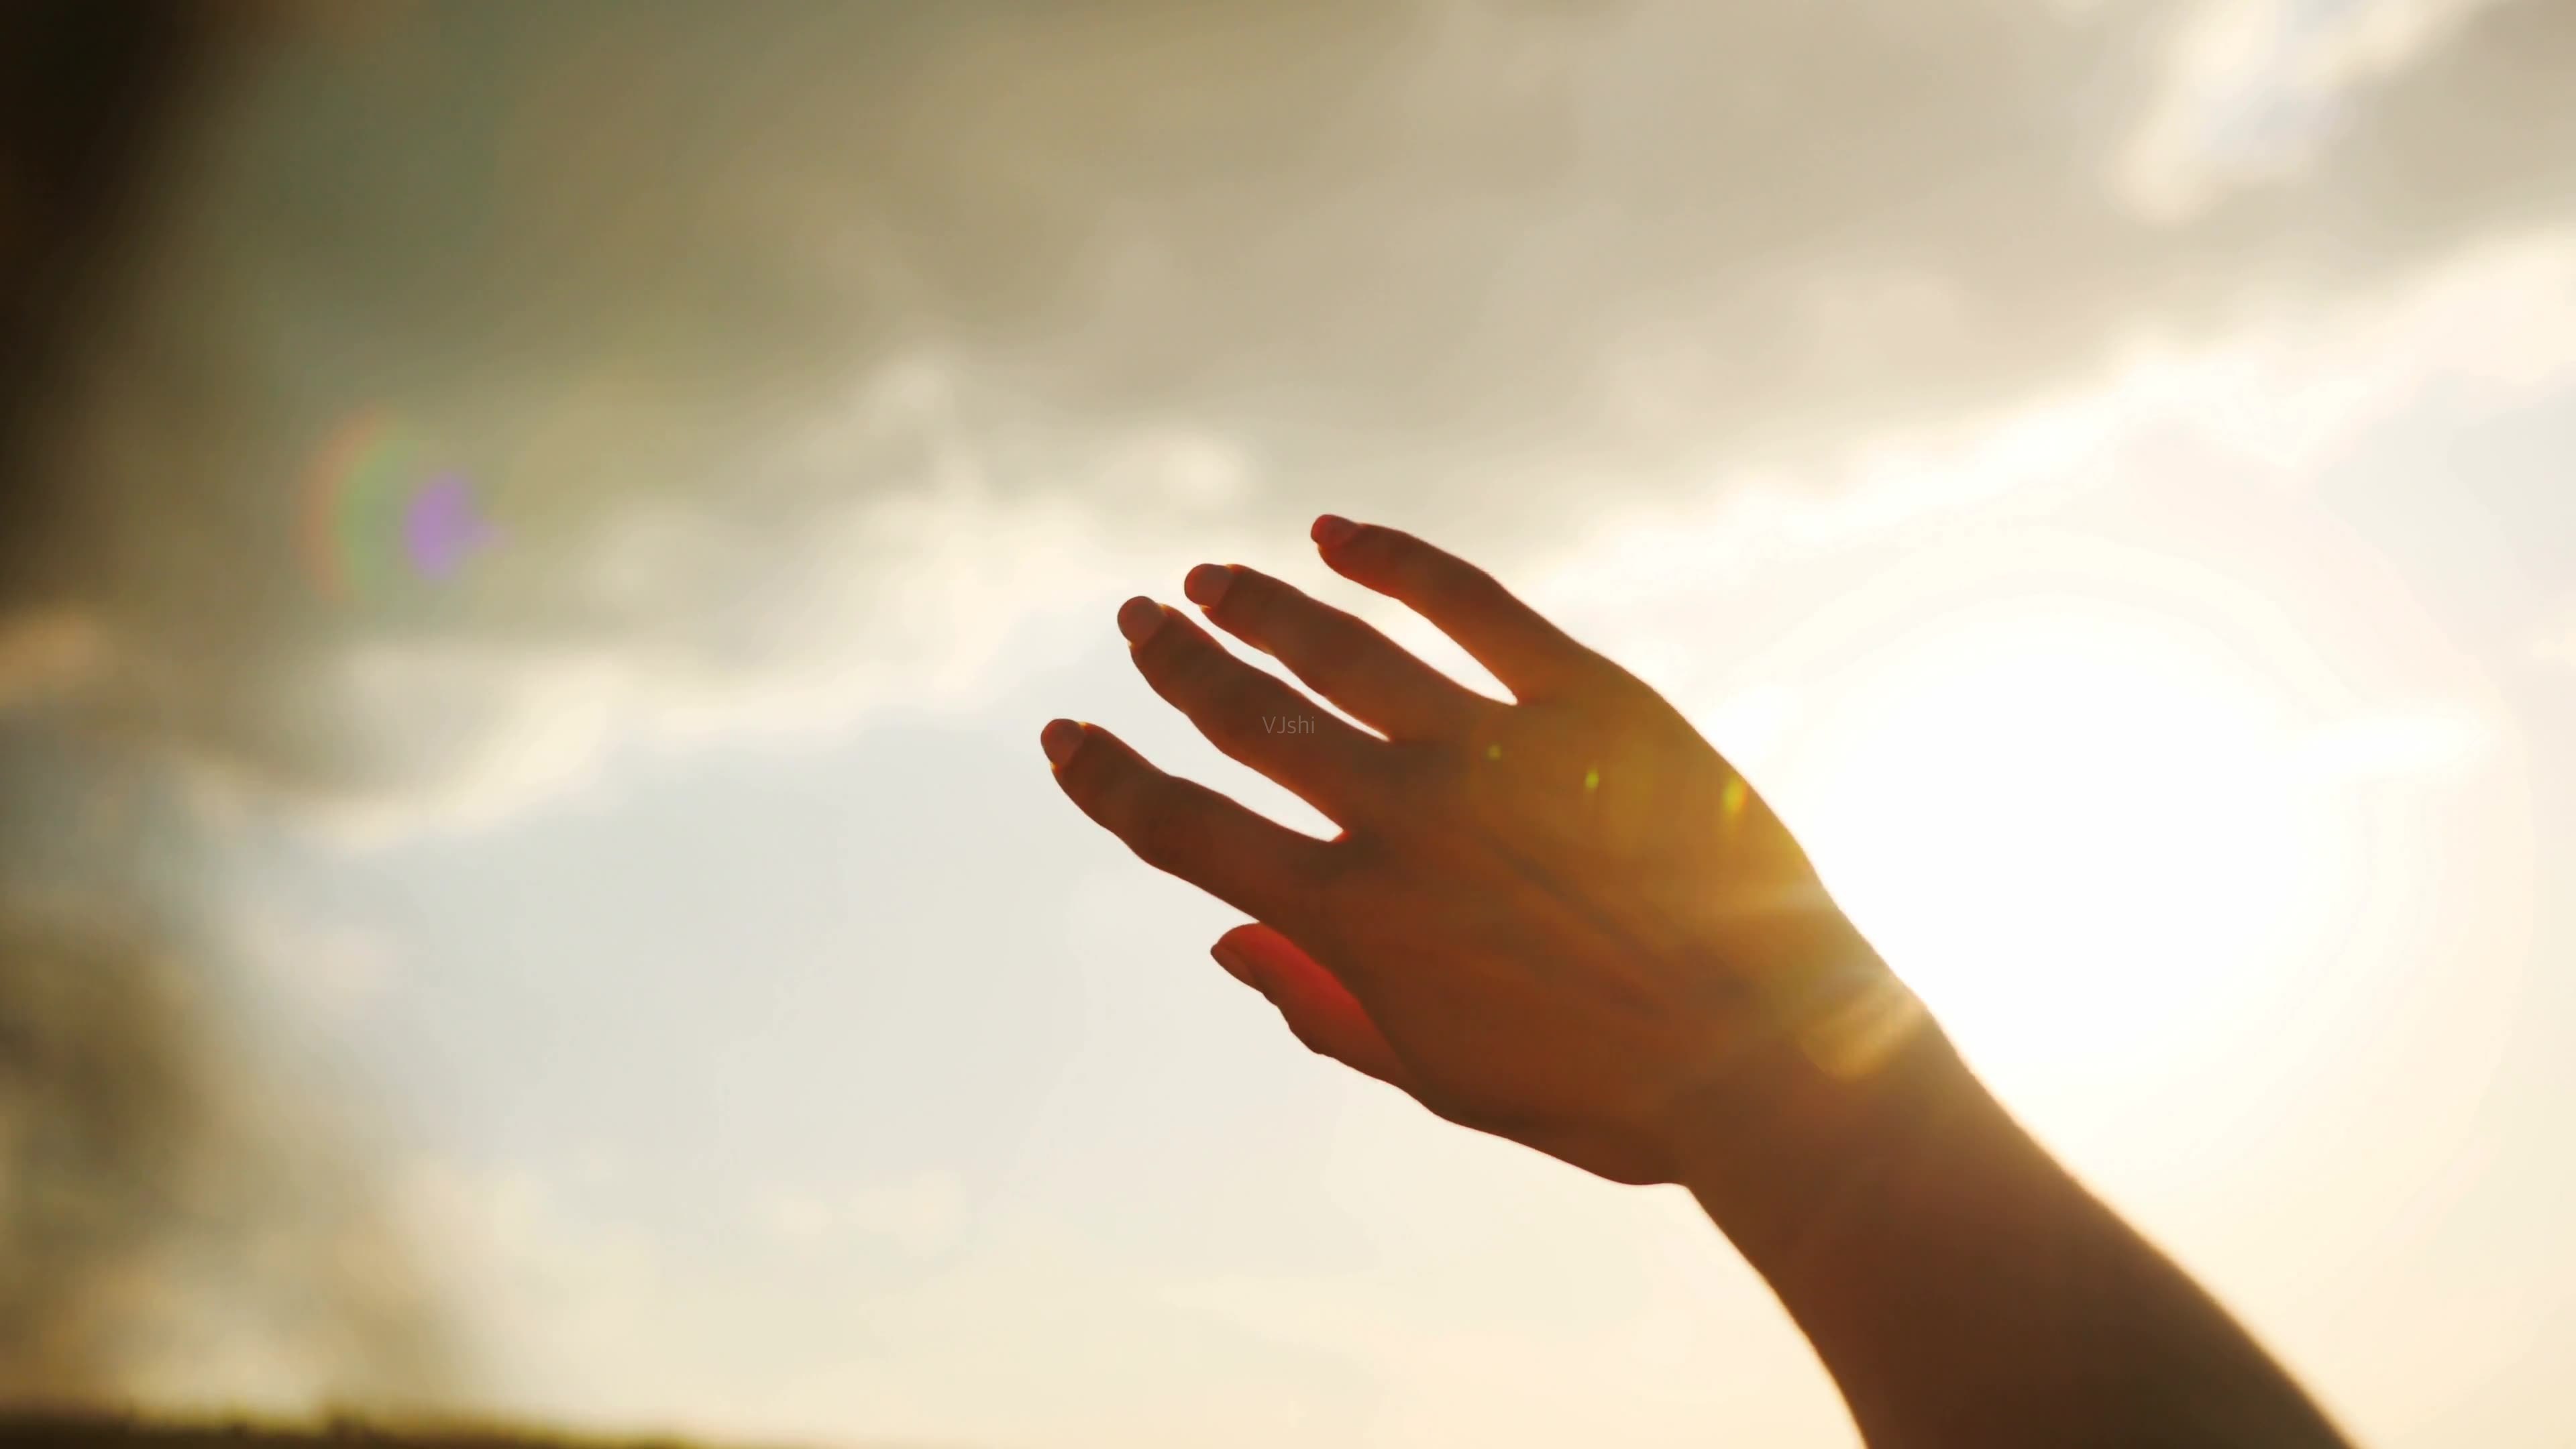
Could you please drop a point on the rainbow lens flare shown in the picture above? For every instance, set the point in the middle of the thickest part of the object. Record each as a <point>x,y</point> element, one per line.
<point>367,505</point>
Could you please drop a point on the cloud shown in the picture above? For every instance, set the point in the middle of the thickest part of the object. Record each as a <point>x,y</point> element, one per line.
<point>571,1309</point>
<point>920,1215</point>
<point>808,364</point>
<point>2491,330</point>
<point>328,969</point>
<point>730,322</point>
<point>807,359</point>
<point>2255,88</point>
<point>179,1220</point>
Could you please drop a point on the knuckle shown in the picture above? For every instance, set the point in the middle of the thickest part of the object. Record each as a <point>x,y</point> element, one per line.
<point>1435,591</point>
<point>1326,661</point>
<point>1163,837</point>
<point>1114,792</point>
<point>1420,780</point>
<point>1306,896</point>
<point>1341,647</point>
<point>1242,685</point>
<point>1185,664</point>
<point>1232,706</point>
<point>1466,587</point>
<point>1247,604</point>
<point>1335,888</point>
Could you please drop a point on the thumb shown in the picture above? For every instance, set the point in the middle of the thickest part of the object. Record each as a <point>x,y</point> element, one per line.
<point>1319,1009</point>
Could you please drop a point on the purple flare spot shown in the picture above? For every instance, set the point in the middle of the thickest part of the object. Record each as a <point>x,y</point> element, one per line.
<point>439,526</point>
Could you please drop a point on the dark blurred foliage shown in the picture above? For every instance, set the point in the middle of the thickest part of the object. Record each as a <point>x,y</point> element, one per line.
<point>86,90</point>
<point>141,1146</point>
<point>108,1432</point>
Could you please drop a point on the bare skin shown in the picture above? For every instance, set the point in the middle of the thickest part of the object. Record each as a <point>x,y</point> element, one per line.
<point>1569,922</point>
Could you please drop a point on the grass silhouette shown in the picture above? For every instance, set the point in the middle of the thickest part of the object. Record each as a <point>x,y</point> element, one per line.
<point>21,1429</point>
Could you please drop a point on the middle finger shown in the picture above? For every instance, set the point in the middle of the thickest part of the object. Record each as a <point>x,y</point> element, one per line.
<point>1252,715</point>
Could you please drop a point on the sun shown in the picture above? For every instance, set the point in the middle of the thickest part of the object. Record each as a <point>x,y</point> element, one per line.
<point>2070,821</point>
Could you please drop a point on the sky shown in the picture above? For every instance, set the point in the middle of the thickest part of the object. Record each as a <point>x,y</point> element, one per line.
<point>2102,470</point>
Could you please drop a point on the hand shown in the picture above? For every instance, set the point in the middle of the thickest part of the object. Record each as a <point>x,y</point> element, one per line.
<point>1563,920</point>
<point>1567,921</point>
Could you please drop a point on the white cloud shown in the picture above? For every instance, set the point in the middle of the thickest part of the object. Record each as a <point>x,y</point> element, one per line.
<point>2255,88</point>
<point>920,1215</point>
<point>911,596</point>
<point>567,1310</point>
<point>331,969</point>
<point>915,596</point>
<point>796,1217</point>
<point>845,399</point>
<point>2272,406</point>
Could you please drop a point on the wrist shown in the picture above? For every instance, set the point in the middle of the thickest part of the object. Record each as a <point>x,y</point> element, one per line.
<point>1851,1078</point>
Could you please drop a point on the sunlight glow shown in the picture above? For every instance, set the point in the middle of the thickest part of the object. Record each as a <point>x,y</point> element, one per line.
<point>2071,824</point>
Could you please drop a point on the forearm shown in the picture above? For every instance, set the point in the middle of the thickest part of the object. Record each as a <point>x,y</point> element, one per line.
<point>1964,1290</point>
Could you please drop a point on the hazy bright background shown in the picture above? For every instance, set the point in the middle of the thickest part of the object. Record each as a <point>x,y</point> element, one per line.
<point>2107,471</point>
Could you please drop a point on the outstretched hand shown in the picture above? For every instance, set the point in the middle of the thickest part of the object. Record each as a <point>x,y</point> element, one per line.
<point>1563,920</point>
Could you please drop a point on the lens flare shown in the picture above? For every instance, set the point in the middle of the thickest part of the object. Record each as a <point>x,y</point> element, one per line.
<point>368,506</point>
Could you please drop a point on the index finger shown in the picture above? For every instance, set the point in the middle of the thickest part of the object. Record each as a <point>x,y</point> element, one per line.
<point>1183,828</point>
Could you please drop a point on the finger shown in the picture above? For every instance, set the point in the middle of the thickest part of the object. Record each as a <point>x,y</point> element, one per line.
<point>1251,714</point>
<point>1346,660</point>
<point>1184,828</point>
<point>1527,653</point>
<point>1318,1008</point>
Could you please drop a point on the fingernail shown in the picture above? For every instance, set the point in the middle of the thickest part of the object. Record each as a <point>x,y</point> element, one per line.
<point>1138,618</point>
<point>1236,964</point>
<point>1058,739</point>
<point>1332,528</point>
<point>1206,584</point>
